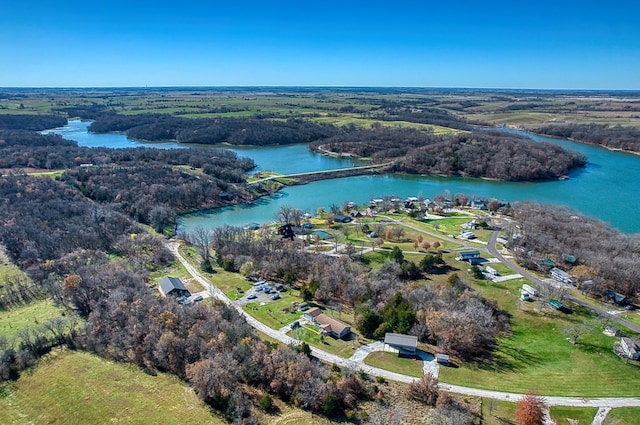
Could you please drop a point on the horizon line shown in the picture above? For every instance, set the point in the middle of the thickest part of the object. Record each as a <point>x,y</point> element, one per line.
<point>343,87</point>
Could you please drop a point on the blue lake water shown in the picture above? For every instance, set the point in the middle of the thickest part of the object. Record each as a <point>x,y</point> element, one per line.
<point>604,189</point>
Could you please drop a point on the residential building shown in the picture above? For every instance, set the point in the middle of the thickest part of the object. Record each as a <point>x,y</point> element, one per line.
<point>560,275</point>
<point>173,286</point>
<point>629,348</point>
<point>328,325</point>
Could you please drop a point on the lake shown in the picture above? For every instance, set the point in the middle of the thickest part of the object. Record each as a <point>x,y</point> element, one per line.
<point>604,189</point>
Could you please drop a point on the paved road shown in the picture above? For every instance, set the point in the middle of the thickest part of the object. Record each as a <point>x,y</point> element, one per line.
<point>491,248</point>
<point>356,364</point>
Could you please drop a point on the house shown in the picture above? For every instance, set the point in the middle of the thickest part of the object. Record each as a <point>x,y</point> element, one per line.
<point>560,275</point>
<point>355,214</point>
<point>443,359</point>
<point>530,290</point>
<point>342,218</point>
<point>404,345</point>
<point>469,256</point>
<point>616,297</point>
<point>478,204</point>
<point>328,325</point>
<point>286,231</point>
<point>491,271</point>
<point>629,348</point>
<point>611,331</point>
<point>173,286</point>
<point>466,234</point>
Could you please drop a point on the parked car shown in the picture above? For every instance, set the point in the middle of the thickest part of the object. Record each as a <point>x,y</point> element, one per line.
<point>295,325</point>
<point>276,297</point>
<point>198,298</point>
<point>252,297</point>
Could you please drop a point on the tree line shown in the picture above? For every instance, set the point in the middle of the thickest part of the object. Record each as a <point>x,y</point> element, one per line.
<point>616,137</point>
<point>235,131</point>
<point>490,154</point>
<point>31,122</point>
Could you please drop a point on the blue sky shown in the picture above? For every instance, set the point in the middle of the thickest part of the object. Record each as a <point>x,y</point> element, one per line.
<point>497,44</point>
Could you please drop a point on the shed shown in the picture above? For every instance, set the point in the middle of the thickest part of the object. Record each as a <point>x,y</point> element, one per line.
<point>443,359</point>
<point>556,304</point>
<point>405,345</point>
<point>173,286</point>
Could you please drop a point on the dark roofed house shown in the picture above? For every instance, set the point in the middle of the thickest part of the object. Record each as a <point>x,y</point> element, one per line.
<point>471,256</point>
<point>616,297</point>
<point>405,345</point>
<point>342,218</point>
<point>173,286</point>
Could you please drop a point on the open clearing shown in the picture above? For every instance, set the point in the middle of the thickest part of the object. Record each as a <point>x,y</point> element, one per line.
<point>80,388</point>
<point>27,316</point>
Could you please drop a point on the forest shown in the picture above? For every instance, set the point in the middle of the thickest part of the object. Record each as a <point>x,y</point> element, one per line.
<point>605,257</point>
<point>613,137</point>
<point>490,154</point>
<point>151,185</point>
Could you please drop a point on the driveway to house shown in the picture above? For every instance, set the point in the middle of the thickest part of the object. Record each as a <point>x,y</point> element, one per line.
<point>356,362</point>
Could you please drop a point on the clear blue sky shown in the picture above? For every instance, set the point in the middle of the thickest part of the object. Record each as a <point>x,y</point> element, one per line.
<point>503,44</point>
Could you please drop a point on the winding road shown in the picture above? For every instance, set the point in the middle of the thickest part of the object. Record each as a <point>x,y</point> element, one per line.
<point>357,364</point>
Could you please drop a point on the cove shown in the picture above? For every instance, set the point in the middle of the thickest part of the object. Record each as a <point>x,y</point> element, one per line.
<point>605,188</point>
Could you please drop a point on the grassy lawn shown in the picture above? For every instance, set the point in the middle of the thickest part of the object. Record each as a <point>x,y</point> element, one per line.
<point>272,313</point>
<point>395,363</point>
<point>624,416</point>
<point>562,414</point>
<point>311,336</point>
<point>80,388</point>
<point>538,356</point>
<point>496,412</point>
<point>27,316</point>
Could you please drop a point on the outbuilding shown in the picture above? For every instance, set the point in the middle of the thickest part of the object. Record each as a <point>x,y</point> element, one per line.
<point>404,345</point>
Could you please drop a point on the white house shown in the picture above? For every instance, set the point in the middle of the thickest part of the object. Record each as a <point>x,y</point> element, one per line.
<point>560,275</point>
<point>629,348</point>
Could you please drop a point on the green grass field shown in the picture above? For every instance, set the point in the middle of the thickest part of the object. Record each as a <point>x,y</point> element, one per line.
<point>81,388</point>
<point>624,416</point>
<point>537,356</point>
<point>394,363</point>
<point>340,347</point>
<point>27,316</point>
<point>562,414</point>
